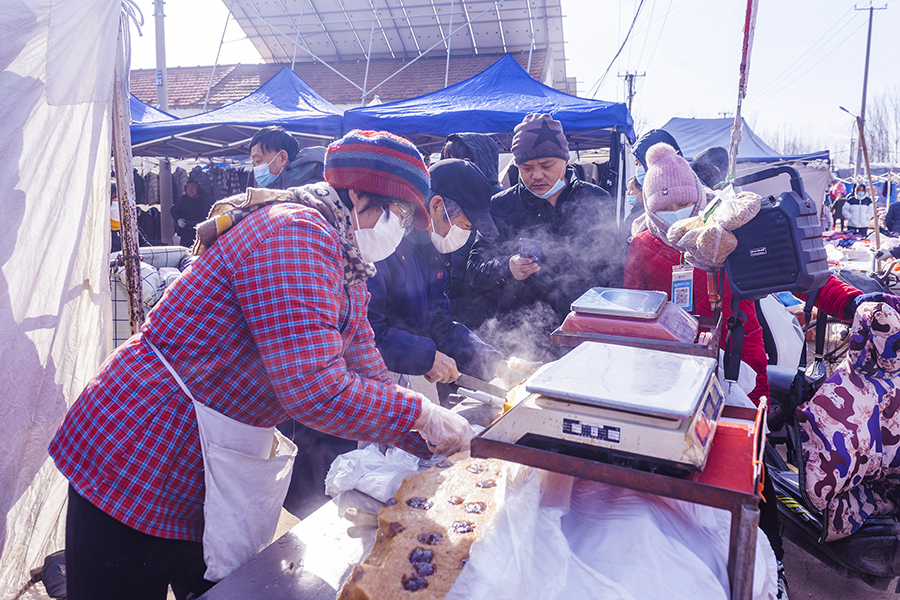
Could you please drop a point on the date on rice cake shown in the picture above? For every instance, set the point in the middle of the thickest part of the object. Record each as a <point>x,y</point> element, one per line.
<point>425,532</point>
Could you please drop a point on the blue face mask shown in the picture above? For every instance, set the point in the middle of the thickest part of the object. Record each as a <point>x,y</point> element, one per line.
<point>632,200</point>
<point>560,184</point>
<point>639,174</point>
<point>262,174</point>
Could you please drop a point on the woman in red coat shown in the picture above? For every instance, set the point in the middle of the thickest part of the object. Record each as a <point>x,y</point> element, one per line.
<point>673,192</point>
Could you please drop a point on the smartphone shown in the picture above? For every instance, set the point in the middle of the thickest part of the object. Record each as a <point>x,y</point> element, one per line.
<point>530,248</point>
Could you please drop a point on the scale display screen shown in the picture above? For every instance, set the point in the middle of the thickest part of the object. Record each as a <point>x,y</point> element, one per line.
<point>625,378</point>
<point>635,304</point>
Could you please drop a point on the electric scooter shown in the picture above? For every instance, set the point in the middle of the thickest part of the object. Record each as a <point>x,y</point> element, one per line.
<point>872,554</point>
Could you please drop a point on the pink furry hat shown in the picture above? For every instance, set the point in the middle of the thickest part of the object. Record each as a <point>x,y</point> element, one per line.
<point>670,182</point>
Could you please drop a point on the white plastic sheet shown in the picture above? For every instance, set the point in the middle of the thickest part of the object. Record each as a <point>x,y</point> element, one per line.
<point>555,537</point>
<point>54,243</point>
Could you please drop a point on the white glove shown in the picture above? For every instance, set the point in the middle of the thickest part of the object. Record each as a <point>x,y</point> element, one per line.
<point>182,223</point>
<point>444,431</point>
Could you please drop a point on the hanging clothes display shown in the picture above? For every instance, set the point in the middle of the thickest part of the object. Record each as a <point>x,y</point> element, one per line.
<point>152,184</point>
<point>233,182</point>
<point>199,175</point>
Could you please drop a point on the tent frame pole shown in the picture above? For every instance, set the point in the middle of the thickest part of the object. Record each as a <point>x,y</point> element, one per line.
<point>212,73</point>
<point>297,39</point>
<point>747,50</point>
<point>362,101</point>
<point>449,40</point>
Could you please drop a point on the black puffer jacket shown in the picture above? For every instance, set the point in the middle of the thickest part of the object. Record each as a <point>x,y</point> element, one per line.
<point>580,248</point>
<point>305,169</point>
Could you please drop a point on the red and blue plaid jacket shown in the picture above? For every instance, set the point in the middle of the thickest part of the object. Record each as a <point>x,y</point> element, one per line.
<point>261,328</point>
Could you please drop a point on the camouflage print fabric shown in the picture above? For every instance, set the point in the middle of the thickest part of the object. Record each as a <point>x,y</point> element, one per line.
<point>850,429</point>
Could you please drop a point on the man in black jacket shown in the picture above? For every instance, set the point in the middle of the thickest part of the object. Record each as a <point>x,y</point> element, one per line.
<point>279,163</point>
<point>557,238</point>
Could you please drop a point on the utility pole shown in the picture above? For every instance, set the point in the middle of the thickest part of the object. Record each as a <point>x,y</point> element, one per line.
<point>862,110</point>
<point>166,225</point>
<point>629,84</point>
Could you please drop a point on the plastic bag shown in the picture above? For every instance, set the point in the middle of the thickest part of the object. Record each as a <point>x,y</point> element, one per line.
<point>736,392</point>
<point>706,239</point>
<point>371,472</point>
<point>556,537</point>
<point>152,285</point>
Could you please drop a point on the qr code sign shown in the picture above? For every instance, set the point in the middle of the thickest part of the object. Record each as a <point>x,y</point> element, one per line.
<point>682,297</point>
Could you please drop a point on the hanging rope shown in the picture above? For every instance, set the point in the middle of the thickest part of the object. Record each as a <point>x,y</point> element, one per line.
<point>746,50</point>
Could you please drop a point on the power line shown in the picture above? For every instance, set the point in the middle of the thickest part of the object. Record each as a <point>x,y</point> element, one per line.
<point>775,90</point>
<point>596,87</point>
<point>813,48</point>
<point>659,37</point>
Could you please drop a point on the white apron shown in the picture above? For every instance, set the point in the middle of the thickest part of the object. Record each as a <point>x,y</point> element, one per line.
<point>246,472</point>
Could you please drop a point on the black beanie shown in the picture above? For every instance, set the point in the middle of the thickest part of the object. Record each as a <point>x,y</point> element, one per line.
<point>651,138</point>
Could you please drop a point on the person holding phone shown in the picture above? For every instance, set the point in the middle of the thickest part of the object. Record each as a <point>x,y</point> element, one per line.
<point>571,222</point>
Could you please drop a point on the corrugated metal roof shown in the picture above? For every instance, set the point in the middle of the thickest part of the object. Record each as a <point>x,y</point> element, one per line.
<point>188,85</point>
<point>338,31</point>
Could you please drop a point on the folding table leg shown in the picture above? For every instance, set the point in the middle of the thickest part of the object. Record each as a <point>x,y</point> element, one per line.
<point>742,551</point>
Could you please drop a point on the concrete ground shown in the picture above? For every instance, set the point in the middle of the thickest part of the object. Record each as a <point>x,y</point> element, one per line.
<point>808,578</point>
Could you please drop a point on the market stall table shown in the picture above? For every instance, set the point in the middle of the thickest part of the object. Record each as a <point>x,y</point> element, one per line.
<point>312,560</point>
<point>730,481</point>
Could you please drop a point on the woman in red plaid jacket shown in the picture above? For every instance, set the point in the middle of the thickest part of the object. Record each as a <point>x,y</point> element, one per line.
<point>268,323</point>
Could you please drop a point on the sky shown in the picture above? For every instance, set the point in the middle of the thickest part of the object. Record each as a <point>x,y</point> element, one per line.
<point>807,59</point>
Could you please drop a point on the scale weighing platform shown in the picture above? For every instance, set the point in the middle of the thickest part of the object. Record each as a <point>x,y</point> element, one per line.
<point>631,313</point>
<point>636,407</point>
<point>647,421</point>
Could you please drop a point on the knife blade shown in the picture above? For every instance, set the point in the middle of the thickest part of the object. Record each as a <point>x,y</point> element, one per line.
<point>473,383</point>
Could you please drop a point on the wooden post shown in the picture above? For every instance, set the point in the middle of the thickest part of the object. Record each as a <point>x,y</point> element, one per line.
<point>871,187</point>
<point>121,121</point>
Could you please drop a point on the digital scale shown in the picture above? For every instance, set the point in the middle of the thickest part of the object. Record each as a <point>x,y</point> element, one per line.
<point>637,407</point>
<point>642,314</point>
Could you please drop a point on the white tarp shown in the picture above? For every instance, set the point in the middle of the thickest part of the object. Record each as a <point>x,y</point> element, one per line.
<point>56,77</point>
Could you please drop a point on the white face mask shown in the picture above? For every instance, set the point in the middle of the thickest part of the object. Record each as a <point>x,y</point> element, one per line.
<point>560,184</point>
<point>455,239</point>
<point>380,241</point>
<point>671,216</point>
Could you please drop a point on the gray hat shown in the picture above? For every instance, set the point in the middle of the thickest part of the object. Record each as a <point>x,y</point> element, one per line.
<point>464,183</point>
<point>539,136</point>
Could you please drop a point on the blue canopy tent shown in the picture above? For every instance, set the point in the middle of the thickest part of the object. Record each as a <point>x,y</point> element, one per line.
<point>494,102</point>
<point>284,100</point>
<point>696,135</point>
<point>141,112</point>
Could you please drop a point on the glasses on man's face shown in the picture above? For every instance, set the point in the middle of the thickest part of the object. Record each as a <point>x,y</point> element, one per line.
<point>406,214</point>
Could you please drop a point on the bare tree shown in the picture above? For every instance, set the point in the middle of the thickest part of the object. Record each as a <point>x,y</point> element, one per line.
<point>786,139</point>
<point>883,126</point>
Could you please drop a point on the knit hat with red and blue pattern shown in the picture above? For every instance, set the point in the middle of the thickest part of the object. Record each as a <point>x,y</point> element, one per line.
<point>382,163</point>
